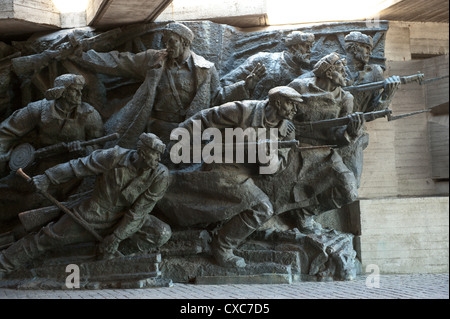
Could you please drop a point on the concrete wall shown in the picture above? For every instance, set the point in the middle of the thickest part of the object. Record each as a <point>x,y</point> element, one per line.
<point>405,235</point>
<point>415,39</point>
<point>92,8</point>
<point>398,160</point>
<point>401,231</point>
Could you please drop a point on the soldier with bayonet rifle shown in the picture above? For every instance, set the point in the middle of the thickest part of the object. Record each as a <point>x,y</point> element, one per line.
<point>359,48</point>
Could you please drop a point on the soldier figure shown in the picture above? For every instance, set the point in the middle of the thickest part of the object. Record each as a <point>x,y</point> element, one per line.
<point>177,83</point>
<point>128,185</point>
<point>61,117</point>
<point>227,192</point>
<point>359,48</point>
<point>280,67</point>
<point>326,100</point>
<point>323,92</point>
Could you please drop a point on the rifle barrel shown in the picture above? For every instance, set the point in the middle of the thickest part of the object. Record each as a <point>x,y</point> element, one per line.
<point>434,79</point>
<point>62,146</point>
<point>400,116</point>
<point>340,121</point>
<point>380,84</point>
<point>280,144</point>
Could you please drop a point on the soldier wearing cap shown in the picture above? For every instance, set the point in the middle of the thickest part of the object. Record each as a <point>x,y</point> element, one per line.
<point>61,117</point>
<point>325,86</point>
<point>325,99</point>
<point>128,185</point>
<point>359,47</point>
<point>280,67</point>
<point>176,83</point>
<point>227,191</point>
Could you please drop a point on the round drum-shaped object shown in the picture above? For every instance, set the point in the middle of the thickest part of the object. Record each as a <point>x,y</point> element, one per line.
<point>21,157</point>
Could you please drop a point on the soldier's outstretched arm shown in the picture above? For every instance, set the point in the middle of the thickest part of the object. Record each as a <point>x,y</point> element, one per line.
<point>96,163</point>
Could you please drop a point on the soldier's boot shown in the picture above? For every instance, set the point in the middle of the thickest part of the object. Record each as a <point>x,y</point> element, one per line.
<point>228,238</point>
<point>235,231</point>
<point>18,255</point>
<point>25,250</point>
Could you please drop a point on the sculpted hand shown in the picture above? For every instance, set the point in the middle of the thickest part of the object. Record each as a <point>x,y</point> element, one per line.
<point>356,123</point>
<point>5,155</point>
<point>75,147</point>
<point>255,76</point>
<point>391,86</point>
<point>290,128</point>
<point>108,247</point>
<point>40,182</point>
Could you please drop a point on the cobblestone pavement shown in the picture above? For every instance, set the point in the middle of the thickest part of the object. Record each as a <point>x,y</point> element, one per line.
<point>415,286</point>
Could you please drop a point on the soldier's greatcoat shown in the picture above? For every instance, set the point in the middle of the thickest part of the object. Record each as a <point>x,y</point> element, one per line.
<point>149,67</point>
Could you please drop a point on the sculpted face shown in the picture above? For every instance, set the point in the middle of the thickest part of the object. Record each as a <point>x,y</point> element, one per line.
<point>301,53</point>
<point>149,157</point>
<point>287,109</point>
<point>361,52</point>
<point>72,95</point>
<point>174,45</point>
<point>338,75</point>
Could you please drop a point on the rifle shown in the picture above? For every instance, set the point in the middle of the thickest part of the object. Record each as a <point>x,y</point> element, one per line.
<point>36,218</point>
<point>77,218</point>
<point>32,64</point>
<point>419,77</point>
<point>340,121</point>
<point>25,154</point>
<point>295,144</point>
<point>74,215</point>
<point>280,144</point>
<point>287,144</point>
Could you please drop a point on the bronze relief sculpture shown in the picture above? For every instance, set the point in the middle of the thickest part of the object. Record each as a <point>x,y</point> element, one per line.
<point>206,214</point>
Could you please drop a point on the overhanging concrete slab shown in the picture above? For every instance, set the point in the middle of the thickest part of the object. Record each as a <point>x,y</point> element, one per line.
<point>232,12</point>
<point>110,13</point>
<point>18,17</point>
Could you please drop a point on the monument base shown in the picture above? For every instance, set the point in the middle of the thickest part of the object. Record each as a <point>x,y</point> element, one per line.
<point>272,257</point>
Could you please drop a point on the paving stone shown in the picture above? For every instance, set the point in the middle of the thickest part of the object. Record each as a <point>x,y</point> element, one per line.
<point>414,286</point>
